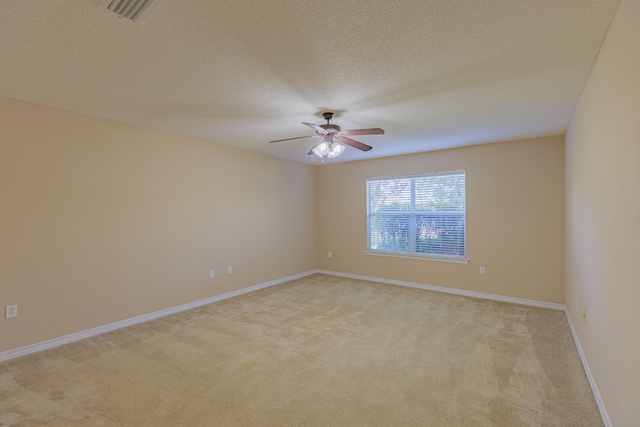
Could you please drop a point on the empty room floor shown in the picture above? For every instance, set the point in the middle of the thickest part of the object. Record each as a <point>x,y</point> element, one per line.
<point>318,351</point>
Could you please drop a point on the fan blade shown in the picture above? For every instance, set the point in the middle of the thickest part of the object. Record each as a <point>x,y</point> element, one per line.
<point>290,139</point>
<point>355,144</point>
<point>371,131</point>
<point>316,128</point>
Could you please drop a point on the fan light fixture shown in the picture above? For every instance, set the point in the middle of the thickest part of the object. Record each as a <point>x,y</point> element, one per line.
<point>328,148</point>
<point>335,150</point>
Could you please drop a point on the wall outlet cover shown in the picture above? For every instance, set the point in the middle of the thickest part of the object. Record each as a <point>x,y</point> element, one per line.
<point>11,311</point>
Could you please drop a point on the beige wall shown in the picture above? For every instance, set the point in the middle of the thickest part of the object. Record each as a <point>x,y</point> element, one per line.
<point>515,217</point>
<point>602,215</point>
<point>100,221</point>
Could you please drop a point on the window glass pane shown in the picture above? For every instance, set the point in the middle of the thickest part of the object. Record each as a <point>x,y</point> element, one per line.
<point>390,195</point>
<point>440,193</point>
<point>390,232</point>
<point>440,234</point>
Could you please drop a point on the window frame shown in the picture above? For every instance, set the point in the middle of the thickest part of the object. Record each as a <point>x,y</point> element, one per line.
<point>460,259</point>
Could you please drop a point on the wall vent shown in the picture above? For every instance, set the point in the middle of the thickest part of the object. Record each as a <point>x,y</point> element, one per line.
<point>134,10</point>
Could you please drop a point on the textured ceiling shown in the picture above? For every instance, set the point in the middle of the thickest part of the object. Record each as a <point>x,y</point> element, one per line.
<point>432,73</point>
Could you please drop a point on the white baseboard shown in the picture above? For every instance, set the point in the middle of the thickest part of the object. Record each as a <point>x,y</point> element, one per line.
<point>592,382</point>
<point>462,292</point>
<point>45,345</point>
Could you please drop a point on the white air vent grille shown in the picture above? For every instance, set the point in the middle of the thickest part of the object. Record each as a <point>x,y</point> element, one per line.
<point>135,10</point>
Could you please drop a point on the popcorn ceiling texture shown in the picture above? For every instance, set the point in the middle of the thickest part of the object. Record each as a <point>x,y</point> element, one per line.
<point>433,74</point>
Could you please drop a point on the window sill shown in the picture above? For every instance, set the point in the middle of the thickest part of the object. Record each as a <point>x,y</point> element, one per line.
<point>422,257</point>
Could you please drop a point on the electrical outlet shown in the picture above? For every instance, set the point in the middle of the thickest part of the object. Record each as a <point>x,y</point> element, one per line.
<point>329,254</point>
<point>212,274</point>
<point>229,270</point>
<point>11,311</point>
<point>481,270</point>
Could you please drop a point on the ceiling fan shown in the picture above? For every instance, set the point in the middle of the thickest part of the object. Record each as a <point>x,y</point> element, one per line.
<point>333,138</point>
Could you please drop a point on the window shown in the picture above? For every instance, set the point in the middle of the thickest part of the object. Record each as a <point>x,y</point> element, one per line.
<point>417,216</point>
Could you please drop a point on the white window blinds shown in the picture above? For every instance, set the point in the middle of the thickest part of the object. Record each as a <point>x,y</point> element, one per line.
<point>417,215</point>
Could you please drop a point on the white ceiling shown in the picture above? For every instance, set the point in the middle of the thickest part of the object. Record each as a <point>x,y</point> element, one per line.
<point>432,73</point>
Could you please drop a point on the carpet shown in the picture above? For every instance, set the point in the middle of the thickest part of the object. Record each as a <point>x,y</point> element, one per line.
<point>317,351</point>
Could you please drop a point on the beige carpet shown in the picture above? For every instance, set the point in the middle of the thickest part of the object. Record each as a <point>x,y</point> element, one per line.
<point>318,351</point>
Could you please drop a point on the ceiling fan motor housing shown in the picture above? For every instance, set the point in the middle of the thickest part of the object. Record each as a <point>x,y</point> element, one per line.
<point>329,128</point>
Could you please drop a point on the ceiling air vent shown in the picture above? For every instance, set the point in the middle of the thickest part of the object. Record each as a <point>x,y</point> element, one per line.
<point>135,10</point>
